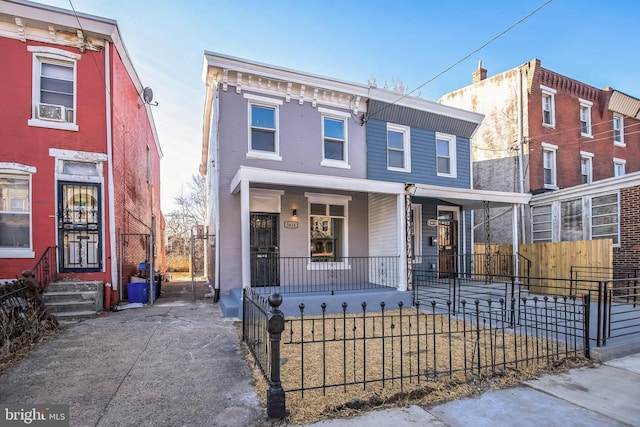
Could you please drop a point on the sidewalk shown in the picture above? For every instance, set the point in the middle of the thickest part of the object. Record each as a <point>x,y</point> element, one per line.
<point>606,395</point>
<point>180,364</point>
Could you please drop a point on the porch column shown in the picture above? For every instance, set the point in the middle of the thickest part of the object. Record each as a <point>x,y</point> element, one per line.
<point>244,233</point>
<point>402,242</point>
<point>514,232</point>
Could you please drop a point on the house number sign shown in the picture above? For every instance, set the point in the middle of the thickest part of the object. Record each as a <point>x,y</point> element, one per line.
<point>432,222</point>
<point>291,224</point>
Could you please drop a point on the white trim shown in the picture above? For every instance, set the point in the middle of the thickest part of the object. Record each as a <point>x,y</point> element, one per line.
<point>80,156</point>
<point>619,162</point>
<point>111,189</point>
<point>262,99</point>
<point>275,196</point>
<point>54,51</point>
<point>329,114</point>
<point>551,93</point>
<point>265,103</point>
<point>453,160</point>
<point>329,199</point>
<point>17,168</point>
<point>336,199</point>
<point>334,164</point>
<point>406,146</point>
<point>332,112</point>
<point>587,105</point>
<point>548,89</point>
<point>553,149</point>
<point>618,143</point>
<point>584,155</point>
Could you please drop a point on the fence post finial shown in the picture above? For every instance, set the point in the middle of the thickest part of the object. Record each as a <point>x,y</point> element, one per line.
<point>275,394</point>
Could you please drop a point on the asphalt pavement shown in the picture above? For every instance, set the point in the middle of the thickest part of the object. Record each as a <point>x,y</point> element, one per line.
<point>179,363</point>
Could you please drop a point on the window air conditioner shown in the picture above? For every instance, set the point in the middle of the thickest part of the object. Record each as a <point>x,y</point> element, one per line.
<point>51,112</point>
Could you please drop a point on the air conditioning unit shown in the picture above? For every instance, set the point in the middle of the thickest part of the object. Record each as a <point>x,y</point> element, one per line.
<point>52,112</point>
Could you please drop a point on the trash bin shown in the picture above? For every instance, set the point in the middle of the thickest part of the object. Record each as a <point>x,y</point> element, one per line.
<point>138,292</point>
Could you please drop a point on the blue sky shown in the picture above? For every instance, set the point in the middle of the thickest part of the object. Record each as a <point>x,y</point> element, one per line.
<point>595,42</point>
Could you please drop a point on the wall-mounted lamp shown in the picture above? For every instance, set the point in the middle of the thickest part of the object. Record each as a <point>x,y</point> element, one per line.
<point>410,188</point>
<point>294,212</point>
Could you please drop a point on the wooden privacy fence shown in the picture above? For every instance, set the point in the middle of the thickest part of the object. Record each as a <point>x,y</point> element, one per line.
<point>554,260</point>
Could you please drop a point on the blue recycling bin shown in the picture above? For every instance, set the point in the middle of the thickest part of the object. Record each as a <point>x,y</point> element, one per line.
<point>138,292</point>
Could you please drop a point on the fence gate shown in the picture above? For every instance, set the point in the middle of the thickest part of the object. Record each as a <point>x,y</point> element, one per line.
<point>133,248</point>
<point>202,262</point>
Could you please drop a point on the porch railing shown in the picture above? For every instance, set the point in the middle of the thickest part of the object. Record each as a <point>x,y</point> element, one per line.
<point>323,274</point>
<point>45,270</point>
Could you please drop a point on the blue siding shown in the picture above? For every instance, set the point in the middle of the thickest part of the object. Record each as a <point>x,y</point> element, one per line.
<point>423,158</point>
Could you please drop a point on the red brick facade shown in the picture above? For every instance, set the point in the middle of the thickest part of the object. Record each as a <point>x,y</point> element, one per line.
<point>628,254</point>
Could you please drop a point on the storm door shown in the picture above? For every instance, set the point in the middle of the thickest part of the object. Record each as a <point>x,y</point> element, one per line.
<point>447,243</point>
<point>79,227</point>
<point>264,249</point>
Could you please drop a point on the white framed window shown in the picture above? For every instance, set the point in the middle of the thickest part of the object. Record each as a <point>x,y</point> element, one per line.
<point>54,88</point>
<point>571,217</point>
<point>335,145</point>
<point>264,136</point>
<point>619,166</point>
<point>16,235</point>
<point>605,218</point>
<point>328,236</point>
<point>618,130</point>
<point>548,106</point>
<point>585,117</point>
<point>549,165</point>
<point>446,155</point>
<point>586,167</point>
<point>542,223</point>
<point>398,148</point>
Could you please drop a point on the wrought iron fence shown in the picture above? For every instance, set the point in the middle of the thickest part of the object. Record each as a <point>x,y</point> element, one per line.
<point>255,317</point>
<point>45,270</point>
<point>322,274</point>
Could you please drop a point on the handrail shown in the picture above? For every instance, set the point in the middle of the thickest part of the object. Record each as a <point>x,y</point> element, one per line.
<point>45,270</point>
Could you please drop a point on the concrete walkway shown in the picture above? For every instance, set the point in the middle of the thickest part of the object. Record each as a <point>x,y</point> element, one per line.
<point>180,364</point>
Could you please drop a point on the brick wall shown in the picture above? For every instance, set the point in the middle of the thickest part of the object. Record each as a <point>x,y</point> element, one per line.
<point>628,254</point>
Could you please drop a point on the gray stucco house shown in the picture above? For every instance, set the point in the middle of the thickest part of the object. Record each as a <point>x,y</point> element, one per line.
<point>322,187</point>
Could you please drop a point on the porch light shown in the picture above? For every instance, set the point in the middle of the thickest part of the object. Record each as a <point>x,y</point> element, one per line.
<point>410,188</point>
<point>294,213</point>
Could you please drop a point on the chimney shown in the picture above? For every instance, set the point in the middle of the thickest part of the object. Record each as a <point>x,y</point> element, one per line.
<point>479,74</point>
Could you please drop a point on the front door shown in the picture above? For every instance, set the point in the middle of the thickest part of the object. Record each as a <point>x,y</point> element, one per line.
<point>447,243</point>
<point>264,249</point>
<point>79,227</point>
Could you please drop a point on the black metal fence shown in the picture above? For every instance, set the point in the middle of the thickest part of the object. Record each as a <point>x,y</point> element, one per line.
<point>402,347</point>
<point>45,270</point>
<point>323,274</point>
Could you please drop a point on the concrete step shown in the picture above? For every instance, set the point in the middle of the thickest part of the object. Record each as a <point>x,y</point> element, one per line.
<point>75,316</point>
<point>71,286</point>
<point>71,307</point>
<point>231,304</point>
<point>52,297</point>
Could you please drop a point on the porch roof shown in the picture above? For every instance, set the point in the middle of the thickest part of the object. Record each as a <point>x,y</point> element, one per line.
<point>467,198</point>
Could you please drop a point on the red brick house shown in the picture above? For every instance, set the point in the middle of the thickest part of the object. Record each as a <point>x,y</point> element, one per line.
<point>575,147</point>
<point>79,153</point>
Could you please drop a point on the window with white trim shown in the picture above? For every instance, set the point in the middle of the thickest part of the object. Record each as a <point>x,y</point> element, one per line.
<point>446,155</point>
<point>335,147</point>
<point>263,127</point>
<point>586,167</point>
<point>585,117</point>
<point>328,227</point>
<point>398,148</point>
<point>619,166</point>
<point>54,88</point>
<point>618,130</point>
<point>548,106</point>
<point>542,224</point>
<point>15,212</point>
<point>605,222</point>
<point>549,165</point>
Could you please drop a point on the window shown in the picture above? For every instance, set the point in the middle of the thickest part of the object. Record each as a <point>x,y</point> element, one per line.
<point>548,106</point>
<point>549,164</point>
<point>446,155</point>
<point>585,117</point>
<point>15,211</point>
<point>618,130</point>
<point>335,149</point>
<point>263,127</point>
<point>571,220</point>
<point>54,88</point>
<point>327,232</point>
<point>542,223</point>
<point>604,217</point>
<point>618,166</point>
<point>398,149</point>
<point>586,167</point>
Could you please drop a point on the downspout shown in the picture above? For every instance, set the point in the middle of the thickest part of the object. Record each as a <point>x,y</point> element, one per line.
<point>115,281</point>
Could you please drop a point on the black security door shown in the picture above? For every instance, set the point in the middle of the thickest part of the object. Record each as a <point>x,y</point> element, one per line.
<point>264,249</point>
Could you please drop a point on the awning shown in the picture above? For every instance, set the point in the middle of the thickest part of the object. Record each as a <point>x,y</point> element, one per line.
<point>470,199</point>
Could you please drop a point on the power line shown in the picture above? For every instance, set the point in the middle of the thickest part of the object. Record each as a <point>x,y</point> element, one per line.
<point>466,56</point>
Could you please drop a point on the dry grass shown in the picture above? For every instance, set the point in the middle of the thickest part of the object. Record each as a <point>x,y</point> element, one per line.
<point>458,348</point>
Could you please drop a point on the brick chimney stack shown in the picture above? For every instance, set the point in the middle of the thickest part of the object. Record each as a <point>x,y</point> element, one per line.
<point>479,74</point>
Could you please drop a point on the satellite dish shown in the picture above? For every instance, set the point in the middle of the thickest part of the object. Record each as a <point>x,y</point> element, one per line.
<point>147,95</point>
